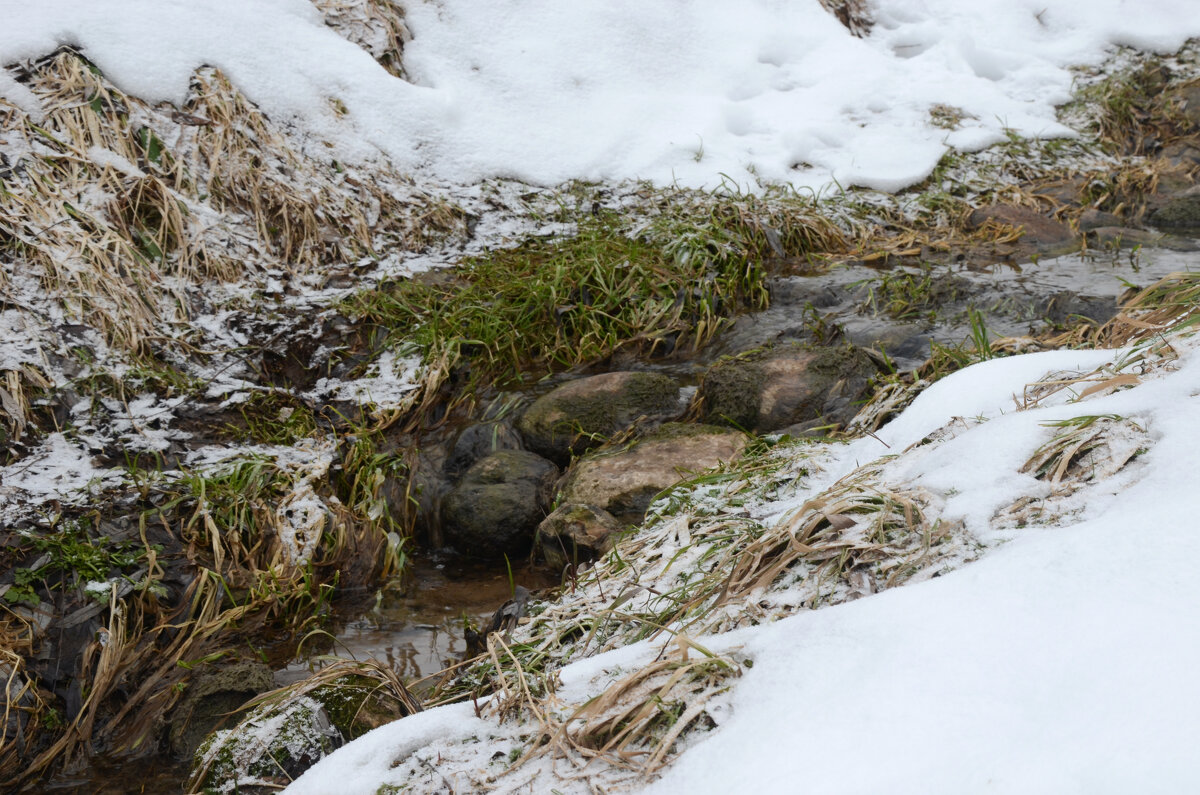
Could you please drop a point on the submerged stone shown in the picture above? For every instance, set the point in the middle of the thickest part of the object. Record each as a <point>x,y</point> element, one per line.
<point>583,414</point>
<point>784,387</point>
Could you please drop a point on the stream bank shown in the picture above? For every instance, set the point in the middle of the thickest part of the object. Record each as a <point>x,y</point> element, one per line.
<point>235,449</point>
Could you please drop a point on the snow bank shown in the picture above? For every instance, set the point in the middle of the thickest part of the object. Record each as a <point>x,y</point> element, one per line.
<point>671,91</point>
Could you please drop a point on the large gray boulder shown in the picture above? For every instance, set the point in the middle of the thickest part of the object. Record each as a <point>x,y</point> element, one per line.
<point>795,386</point>
<point>584,413</point>
<point>625,481</point>
<point>496,507</point>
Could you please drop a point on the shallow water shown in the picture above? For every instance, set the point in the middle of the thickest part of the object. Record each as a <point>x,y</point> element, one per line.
<point>418,629</point>
<point>1011,298</point>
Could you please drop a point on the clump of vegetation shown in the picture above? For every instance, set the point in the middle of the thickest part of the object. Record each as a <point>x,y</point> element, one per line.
<point>551,303</point>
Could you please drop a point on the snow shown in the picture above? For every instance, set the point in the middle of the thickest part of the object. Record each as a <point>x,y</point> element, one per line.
<point>1058,663</point>
<point>670,91</point>
<point>1061,661</point>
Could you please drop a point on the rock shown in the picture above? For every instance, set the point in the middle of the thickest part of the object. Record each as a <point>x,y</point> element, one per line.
<point>498,504</point>
<point>1066,307</point>
<point>1092,218</point>
<point>1179,212</point>
<point>1189,96</point>
<point>278,741</point>
<point>270,748</point>
<point>624,481</point>
<point>575,533</point>
<point>1124,237</point>
<point>778,388</point>
<point>214,697</point>
<point>582,414</point>
<point>1036,229</point>
<point>478,441</point>
<point>1184,153</point>
<point>414,489</point>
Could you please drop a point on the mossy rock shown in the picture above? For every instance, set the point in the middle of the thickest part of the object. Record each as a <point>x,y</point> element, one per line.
<point>794,385</point>
<point>212,698</point>
<point>267,750</point>
<point>1179,212</point>
<point>497,506</point>
<point>582,414</point>
<point>278,741</point>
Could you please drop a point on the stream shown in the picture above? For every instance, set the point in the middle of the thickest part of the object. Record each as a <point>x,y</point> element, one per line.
<point>416,625</point>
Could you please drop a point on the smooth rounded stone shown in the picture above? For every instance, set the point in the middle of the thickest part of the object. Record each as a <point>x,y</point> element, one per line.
<point>575,533</point>
<point>625,481</point>
<point>478,441</point>
<point>1179,212</point>
<point>496,507</point>
<point>582,414</point>
<point>784,387</point>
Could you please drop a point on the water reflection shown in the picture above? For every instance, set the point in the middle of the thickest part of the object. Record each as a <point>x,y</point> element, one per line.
<point>417,629</point>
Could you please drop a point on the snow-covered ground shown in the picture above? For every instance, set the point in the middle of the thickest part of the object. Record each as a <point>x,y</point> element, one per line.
<point>671,90</point>
<point>1062,661</point>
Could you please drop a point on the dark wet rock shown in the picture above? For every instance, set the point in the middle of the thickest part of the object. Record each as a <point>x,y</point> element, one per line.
<point>582,414</point>
<point>778,388</point>
<point>575,533</point>
<point>625,480</point>
<point>1045,234</point>
<point>479,441</point>
<point>213,699</point>
<point>1124,237</point>
<point>1092,218</point>
<point>416,490</point>
<point>498,504</point>
<point>1179,212</point>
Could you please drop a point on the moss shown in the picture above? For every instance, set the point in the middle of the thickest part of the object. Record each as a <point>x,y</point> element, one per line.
<point>821,385</point>
<point>583,414</point>
<point>275,742</point>
<point>356,705</point>
<point>732,391</point>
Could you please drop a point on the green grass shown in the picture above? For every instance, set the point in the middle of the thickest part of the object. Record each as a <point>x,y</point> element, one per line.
<point>662,283</point>
<point>551,304</point>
